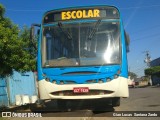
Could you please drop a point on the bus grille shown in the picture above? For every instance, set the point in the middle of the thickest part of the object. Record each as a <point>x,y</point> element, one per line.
<point>71,93</point>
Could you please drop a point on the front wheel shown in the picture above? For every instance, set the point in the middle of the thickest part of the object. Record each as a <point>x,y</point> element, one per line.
<point>38,106</point>
<point>116,101</point>
<point>40,103</point>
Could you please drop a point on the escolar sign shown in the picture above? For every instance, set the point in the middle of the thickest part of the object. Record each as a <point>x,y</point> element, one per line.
<point>80,14</point>
<point>97,12</point>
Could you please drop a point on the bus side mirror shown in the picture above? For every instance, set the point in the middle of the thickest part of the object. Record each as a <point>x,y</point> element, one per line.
<point>127,39</point>
<point>32,33</point>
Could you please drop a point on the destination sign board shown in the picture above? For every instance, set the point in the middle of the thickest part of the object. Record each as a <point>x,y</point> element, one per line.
<point>81,13</point>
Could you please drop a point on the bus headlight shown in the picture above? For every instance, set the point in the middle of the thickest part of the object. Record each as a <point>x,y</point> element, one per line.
<point>61,82</point>
<point>100,81</point>
<point>54,82</point>
<point>47,79</point>
<point>108,79</point>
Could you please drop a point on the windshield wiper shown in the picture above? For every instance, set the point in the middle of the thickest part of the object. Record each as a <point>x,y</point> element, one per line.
<point>67,33</point>
<point>93,31</point>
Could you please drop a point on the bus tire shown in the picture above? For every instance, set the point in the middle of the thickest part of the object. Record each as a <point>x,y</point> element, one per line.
<point>40,103</point>
<point>116,101</point>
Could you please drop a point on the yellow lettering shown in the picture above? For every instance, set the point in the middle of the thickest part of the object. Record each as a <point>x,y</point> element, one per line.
<point>96,13</point>
<point>90,13</point>
<point>84,14</point>
<point>79,14</point>
<point>73,14</point>
<point>63,15</point>
<point>68,15</point>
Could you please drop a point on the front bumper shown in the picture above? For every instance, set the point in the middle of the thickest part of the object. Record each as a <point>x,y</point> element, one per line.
<point>115,88</point>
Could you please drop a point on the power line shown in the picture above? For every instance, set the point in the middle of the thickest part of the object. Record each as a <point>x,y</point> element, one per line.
<point>147,60</point>
<point>20,10</point>
<point>142,38</point>
<point>141,68</point>
<point>38,10</point>
<point>146,28</point>
<point>138,68</point>
<point>141,7</point>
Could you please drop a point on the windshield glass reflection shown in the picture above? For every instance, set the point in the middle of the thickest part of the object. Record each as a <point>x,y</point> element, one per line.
<point>81,44</point>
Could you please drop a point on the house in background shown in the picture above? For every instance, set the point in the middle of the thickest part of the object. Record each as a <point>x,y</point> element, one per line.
<point>155,79</point>
<point>155,62</point>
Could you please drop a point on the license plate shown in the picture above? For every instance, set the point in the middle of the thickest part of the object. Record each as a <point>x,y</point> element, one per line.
<point>81,90</point>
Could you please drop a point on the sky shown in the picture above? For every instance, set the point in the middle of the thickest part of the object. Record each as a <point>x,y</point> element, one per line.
<point>141,19</point>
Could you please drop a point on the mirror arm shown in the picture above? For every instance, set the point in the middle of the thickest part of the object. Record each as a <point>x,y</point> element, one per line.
<point>32,33</point>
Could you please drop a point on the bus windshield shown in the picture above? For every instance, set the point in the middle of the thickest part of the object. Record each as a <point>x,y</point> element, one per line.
<point>81,44</point>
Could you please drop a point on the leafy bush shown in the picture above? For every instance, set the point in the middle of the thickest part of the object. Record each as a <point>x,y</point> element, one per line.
<point>153,71</point>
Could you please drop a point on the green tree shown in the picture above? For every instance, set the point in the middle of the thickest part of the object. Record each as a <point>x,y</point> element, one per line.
<point>132,75</point>
<point>28,52</point>
<point>16,52</point>
<point>153,71</point>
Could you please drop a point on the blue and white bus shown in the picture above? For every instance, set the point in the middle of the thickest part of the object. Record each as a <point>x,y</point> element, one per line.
<point>82,54</point>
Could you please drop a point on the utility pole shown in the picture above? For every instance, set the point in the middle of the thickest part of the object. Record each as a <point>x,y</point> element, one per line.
<point>147,58</point>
